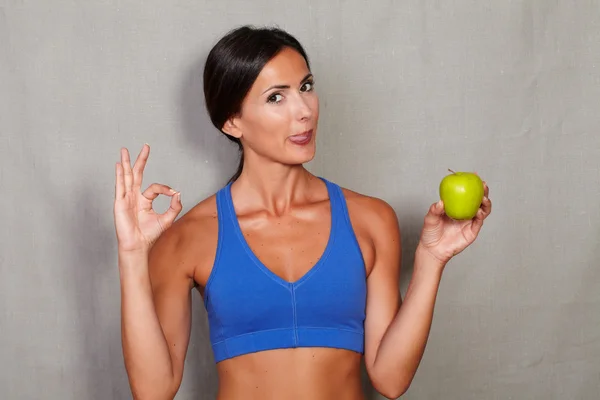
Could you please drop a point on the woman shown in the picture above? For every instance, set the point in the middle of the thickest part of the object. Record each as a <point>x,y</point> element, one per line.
<point>299,276</point>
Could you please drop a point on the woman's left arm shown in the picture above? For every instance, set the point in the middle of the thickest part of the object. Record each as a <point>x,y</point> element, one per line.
<point>396,331</point>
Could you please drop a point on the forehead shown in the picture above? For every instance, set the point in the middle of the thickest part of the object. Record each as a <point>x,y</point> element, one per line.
<point>288,67</point>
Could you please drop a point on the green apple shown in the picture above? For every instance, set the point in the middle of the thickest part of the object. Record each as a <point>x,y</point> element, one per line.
<point>462,194</point>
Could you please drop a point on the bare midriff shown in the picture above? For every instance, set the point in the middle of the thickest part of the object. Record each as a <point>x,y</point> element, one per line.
<point>292,374</point>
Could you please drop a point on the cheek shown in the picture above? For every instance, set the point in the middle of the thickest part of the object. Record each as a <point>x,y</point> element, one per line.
<point>263,131</point>
<point>273,122</point>
<point>262,120</point>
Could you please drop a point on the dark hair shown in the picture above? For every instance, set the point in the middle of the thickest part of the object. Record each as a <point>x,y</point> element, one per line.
<point>233,65</point>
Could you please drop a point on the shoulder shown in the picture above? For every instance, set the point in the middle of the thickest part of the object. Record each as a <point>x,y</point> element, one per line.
<point>185,248</point>
<point>375,224</point>
<point>374,214</point>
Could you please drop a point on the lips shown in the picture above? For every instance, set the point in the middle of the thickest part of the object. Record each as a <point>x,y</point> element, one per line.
<point>302,138</point>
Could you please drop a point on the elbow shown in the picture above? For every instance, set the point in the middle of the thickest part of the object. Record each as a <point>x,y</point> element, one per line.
<point>154,394</point>
<point>392,388</point>
<point>393,392</point>
<point>154,391</point>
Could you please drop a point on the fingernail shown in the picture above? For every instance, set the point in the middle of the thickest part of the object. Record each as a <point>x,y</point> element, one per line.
<point>173,191</point>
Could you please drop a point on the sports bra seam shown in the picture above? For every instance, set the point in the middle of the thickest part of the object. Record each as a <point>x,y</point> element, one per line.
<point>287,329</point>
<point>252,333</point>
<point>323,328</point>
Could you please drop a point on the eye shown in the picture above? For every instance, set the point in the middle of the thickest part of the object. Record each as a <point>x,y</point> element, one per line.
<point>308,86</point>
<point>275,98</point>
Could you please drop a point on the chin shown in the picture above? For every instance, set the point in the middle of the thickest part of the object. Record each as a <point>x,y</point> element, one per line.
<point>300,157</point>
<point>306,154</point>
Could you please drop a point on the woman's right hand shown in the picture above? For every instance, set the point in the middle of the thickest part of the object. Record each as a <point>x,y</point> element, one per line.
<point>137,224</point>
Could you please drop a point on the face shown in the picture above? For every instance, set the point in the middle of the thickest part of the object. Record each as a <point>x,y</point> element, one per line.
<point>280,113</point>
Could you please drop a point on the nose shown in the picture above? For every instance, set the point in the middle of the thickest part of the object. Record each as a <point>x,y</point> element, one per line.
<point>303,110</point>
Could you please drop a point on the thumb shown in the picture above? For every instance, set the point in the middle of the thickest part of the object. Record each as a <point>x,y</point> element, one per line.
<point>435,213</point>
<point>175,208</point>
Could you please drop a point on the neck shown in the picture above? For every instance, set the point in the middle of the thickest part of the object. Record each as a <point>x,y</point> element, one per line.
<point>273,186</point>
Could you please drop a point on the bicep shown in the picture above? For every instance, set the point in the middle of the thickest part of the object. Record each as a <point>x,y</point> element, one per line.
<point>383,294</point>
<point>171,291</point>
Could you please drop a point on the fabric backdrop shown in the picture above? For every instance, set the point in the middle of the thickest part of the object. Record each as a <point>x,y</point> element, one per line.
<point>510,89</point>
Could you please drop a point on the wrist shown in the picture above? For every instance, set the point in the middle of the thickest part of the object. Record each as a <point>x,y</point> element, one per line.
<point>133,260</point>
<point>133,253</point>
<point>423,256</point>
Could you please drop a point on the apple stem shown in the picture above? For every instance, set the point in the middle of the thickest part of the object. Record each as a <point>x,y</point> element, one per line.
<point>451,171</point>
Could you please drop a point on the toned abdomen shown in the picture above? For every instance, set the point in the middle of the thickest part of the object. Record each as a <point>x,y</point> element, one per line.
<point>301,373</point>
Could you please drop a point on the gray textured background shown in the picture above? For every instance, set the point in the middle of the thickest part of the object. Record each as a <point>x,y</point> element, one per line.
<point>510,89</point>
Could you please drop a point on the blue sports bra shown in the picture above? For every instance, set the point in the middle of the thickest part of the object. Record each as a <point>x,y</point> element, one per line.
<point>251,309</point>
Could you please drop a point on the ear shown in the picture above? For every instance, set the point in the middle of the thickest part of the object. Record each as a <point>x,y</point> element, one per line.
<point>232,127</point>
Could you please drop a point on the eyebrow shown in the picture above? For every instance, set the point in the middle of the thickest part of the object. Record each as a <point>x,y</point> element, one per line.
<point>309,75</point>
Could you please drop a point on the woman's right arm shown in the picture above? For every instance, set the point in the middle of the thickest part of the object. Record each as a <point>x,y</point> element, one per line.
<point>155,286</point>
<point>155,316</point>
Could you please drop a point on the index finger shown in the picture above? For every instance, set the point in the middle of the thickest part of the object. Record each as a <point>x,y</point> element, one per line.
<point>140,164</point>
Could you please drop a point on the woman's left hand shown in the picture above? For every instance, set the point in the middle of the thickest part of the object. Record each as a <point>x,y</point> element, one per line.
<point>444,237</point>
